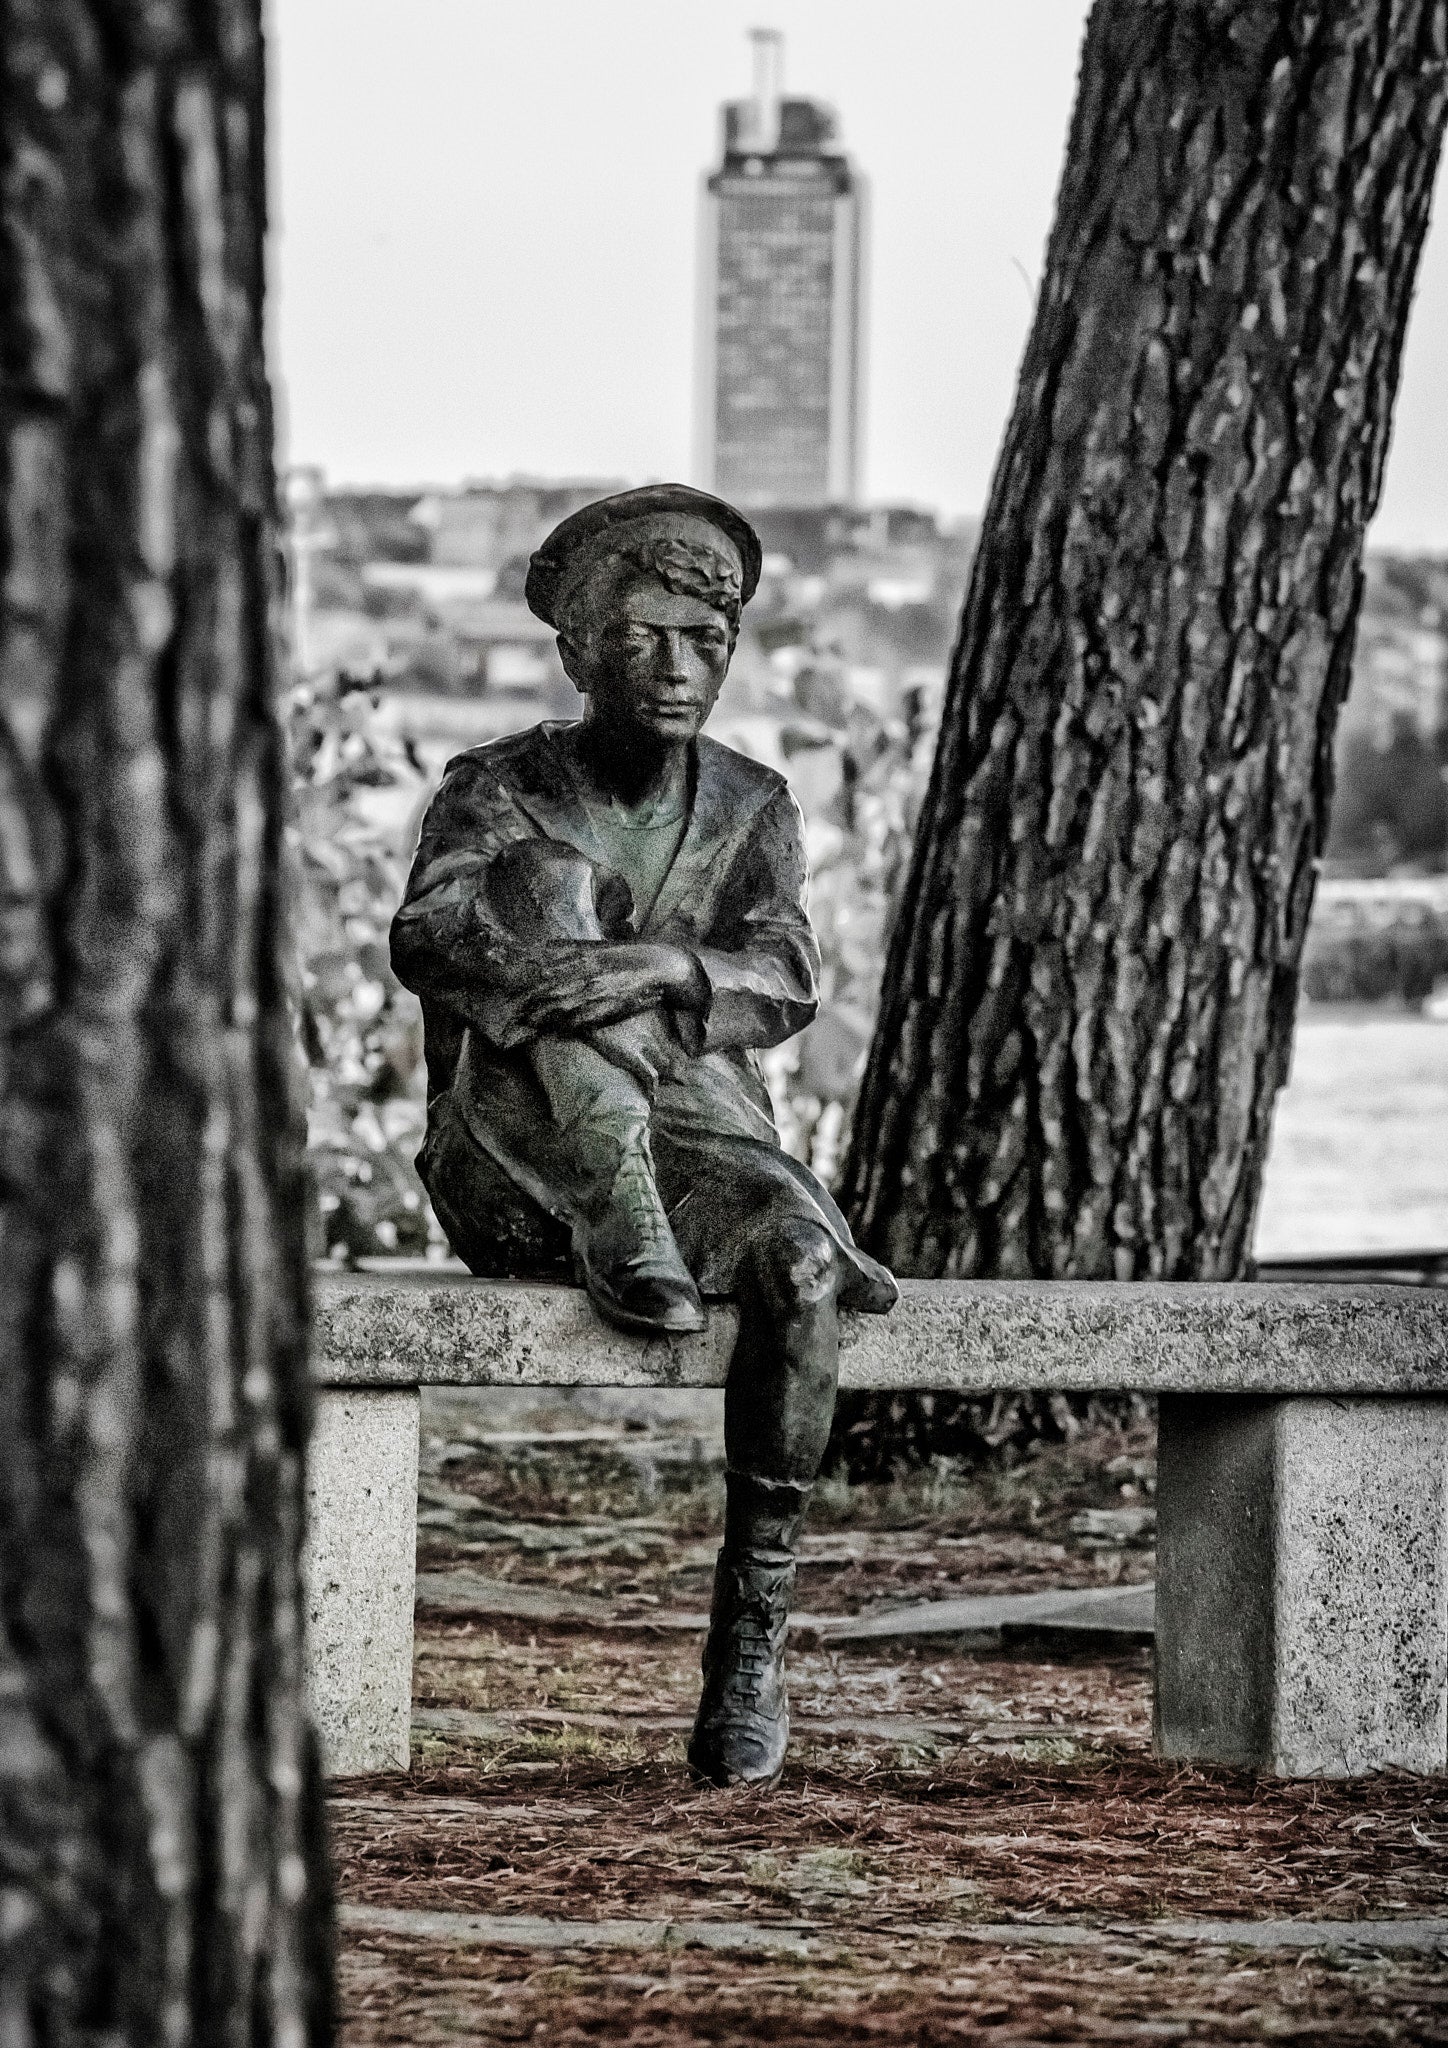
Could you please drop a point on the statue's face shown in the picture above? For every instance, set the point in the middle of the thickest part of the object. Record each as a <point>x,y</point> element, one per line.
<point>655,662</point>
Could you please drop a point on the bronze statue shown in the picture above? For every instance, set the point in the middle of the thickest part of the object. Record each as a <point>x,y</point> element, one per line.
<point>605,920</point>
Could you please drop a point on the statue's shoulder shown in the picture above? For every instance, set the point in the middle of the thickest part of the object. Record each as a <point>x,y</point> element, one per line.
<point>740,775</point>
<point>522,761</point>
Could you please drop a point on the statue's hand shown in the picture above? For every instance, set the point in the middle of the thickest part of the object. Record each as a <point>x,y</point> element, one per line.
<point>581,985</point>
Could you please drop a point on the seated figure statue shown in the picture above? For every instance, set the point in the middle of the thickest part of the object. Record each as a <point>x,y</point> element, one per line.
<point>605,922</point>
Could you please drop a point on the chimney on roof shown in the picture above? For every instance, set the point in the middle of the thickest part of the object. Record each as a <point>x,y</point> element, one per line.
<point>768,88</point>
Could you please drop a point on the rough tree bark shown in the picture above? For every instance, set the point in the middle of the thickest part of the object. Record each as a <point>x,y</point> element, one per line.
<point>1091,985</point>
<point>161,1867</point>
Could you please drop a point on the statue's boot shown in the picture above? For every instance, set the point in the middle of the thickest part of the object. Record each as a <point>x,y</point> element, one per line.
<point>741,1731</point>
<point>623,1245</point>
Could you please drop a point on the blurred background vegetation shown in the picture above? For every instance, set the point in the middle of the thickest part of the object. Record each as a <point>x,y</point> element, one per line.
<point>357,789</point>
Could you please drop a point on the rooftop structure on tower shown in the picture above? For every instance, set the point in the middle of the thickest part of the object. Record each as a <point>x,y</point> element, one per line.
<point>782,279</point>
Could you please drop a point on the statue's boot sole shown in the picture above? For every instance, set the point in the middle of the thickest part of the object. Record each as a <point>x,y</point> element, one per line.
<point>683,1319</point>
<point>722,1779</point>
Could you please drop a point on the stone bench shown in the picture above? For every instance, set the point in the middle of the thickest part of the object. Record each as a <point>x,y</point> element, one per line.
<point>1302,1487</point>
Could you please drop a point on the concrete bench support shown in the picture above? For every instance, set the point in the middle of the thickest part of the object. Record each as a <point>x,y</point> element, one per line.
<point>359,1565</point>
<point>1302,1588</point>
<point>1302,1494</point>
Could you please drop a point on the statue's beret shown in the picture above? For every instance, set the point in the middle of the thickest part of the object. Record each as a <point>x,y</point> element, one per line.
<point>585,530</point>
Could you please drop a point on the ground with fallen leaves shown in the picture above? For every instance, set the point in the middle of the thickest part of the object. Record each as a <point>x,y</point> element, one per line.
<point>934,1790</point>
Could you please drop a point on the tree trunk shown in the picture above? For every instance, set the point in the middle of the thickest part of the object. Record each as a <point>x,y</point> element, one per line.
<point>161,1869</point>
<point>1091,985</point>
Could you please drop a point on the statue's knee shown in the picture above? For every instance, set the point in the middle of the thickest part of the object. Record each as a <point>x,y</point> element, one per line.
<point>800,1266</point>
<point>541,890</point>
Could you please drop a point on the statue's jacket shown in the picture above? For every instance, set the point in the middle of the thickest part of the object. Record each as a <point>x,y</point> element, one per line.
<point>734,897</point>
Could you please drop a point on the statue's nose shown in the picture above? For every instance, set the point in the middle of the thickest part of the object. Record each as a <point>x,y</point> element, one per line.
<point>675,666</point>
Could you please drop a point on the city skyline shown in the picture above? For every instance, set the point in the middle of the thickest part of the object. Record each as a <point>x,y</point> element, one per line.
<point>485,224</point>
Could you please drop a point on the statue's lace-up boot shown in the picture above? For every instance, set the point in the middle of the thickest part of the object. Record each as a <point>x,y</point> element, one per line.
<point>741,1731</point>
<point>626,1254</point>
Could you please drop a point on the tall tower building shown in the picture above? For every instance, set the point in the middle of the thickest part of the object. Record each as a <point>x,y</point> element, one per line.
<point>782,282</point>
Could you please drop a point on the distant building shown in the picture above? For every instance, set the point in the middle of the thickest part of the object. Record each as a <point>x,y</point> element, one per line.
<point>782,280</point>
<point>504,646</point>
<point>490,525</point>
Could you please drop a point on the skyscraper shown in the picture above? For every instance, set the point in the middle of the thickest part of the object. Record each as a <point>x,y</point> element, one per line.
<point>782,278</point>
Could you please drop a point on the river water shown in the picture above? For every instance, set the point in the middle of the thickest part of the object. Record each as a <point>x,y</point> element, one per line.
<point>1359,1158</point>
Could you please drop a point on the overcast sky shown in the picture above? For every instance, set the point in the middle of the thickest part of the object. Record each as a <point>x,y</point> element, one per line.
<point>486,218</point>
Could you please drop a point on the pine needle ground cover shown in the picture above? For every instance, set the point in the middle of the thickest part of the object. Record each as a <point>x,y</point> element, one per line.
<point>972,1839</point>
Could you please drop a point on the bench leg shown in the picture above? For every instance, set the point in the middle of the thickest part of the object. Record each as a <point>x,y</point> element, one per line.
<point>359,1560</point>
<point>1302,1584</point>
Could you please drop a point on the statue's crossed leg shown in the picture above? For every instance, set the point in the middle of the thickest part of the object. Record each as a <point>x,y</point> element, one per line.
<point>599,1087</point>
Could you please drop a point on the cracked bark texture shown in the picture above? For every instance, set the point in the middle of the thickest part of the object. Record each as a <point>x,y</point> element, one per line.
<point>1091,984</point>
<point>161,1870</point>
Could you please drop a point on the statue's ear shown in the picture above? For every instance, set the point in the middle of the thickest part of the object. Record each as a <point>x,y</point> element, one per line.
<point>574,665</point>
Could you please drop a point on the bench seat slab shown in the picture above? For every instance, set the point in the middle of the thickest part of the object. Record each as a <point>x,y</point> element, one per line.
<point>1302,1583</point>
<point>967,1336</point>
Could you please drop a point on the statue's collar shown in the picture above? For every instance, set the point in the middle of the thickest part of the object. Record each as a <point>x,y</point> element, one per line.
<point>726,797</point>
